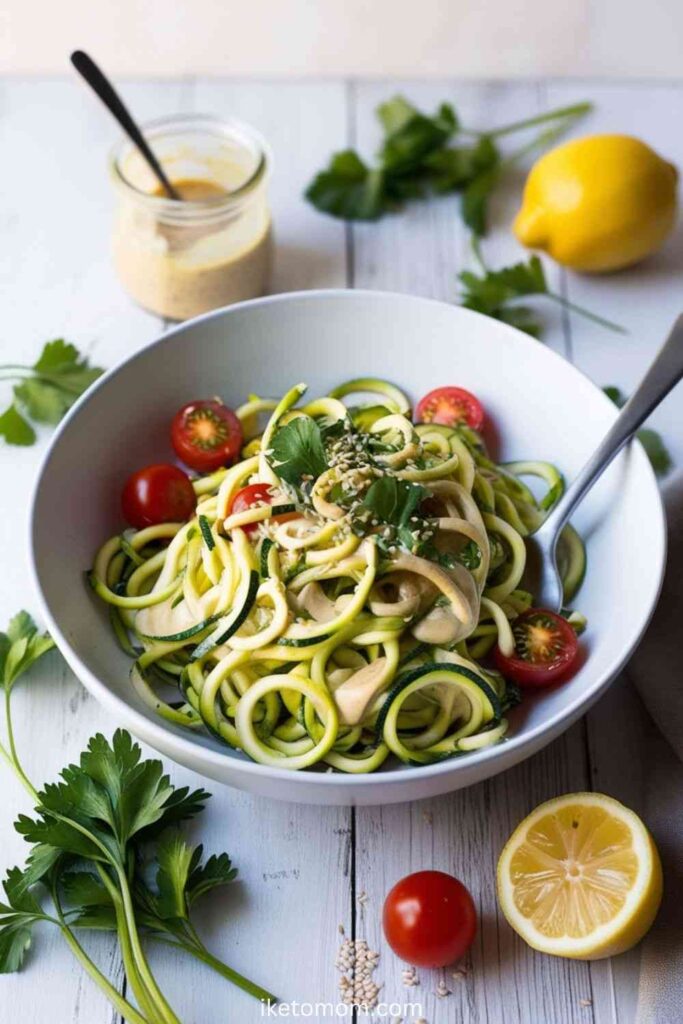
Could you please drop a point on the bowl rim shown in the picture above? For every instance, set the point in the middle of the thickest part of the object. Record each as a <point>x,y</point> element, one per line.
<point>157,734</point>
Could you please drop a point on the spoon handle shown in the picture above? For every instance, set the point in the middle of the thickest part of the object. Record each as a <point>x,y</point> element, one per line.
<point>101,85</point>
<point>664,373</point>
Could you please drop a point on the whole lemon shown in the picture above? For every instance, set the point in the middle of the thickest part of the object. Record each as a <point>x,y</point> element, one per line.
<point>598,203</point>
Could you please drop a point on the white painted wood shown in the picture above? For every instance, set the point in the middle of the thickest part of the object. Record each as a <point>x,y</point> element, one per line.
<point>55,278</point>
<point>645,299</point>
<point>301,866</point>
<point>463,833</point>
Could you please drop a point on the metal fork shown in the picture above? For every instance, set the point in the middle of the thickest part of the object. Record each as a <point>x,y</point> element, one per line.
<point>663,375</point>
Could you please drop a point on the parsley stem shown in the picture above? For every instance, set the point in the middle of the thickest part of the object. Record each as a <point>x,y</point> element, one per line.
<point>127,1011</point>
<point>609,324</point>
<point>200,952</point>
<point>166,1013</point>
<point>129,964</point>
<point>575,111</point>
<point>11,755</point>
<point>122,1005</point>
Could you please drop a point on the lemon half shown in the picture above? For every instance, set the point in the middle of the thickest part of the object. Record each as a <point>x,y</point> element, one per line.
<point>580,877</point>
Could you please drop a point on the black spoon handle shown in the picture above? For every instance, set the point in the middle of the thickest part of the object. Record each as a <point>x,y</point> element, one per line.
<point>101,85</point>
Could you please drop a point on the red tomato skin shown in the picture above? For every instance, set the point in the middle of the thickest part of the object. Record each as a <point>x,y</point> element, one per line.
<point>160,493</point>
<point>429,919</point>
<point>449,405</point>
<point>536,676</point>
<point>186,439</point>
<point>256,494</point>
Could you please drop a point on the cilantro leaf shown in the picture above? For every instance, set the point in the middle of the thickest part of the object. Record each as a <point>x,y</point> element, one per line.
<point>297,450</point>
<point>651,440</point>
<point>15,429</point>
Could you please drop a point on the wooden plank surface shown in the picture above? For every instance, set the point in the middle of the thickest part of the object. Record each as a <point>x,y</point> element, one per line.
<point>306,870</point>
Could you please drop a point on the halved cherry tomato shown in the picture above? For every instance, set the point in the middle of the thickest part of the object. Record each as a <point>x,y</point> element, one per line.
<point>256,494</point>
<point>206,435</point>
<point>450,406</point>
<point>157,494</point>
<point>546,649</point>
<point>429,919</point>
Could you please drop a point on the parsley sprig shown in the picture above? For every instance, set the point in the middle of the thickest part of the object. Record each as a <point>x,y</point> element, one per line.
<point>106,854</point>
<point>495,293</point>
<point>422,154</point>
<point>651,440</point>
<point>45,391</point>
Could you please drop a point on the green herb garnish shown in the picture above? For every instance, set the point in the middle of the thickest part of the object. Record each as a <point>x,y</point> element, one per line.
<point>395,503</point>
<point>651,440</point>
<point>297,451</point>
<point>106,854</point>
<point>416,157</point>
<point>45,391</point>
<point>494,292</point>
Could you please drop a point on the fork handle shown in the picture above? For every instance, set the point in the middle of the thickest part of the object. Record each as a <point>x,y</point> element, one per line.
<point>664,373</point>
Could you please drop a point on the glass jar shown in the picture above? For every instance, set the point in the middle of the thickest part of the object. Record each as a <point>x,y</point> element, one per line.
<point>178,258</point>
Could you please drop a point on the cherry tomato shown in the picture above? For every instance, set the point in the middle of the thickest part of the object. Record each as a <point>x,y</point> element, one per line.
<point>546,649</point>
<point>429,919</point>
<point>450,406</point>
<point>256,494</point>
<point>157,494</point>
<point>206,435</point>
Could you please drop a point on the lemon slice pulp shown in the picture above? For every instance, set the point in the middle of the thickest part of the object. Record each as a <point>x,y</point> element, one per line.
<point>580,877</point>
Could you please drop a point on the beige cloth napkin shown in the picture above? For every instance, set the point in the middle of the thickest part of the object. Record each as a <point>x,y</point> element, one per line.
<point>657,671</point>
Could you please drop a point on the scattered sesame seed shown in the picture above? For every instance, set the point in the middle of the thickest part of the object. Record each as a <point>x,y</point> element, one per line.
<point>410,978</point>
<point>442,990</point>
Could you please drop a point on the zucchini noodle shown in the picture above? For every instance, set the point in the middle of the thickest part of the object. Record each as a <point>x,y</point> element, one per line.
<point>347,616</point>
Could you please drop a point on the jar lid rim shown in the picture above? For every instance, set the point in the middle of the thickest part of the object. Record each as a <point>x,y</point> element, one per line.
<point>212,125</point>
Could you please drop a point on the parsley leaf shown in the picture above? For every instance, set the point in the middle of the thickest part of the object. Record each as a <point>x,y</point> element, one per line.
<point>655,450</point>
<point>395,502</point>
<point>411,135</point>
<point>46,390</point>
<point>15,429</point>
<point>615,395</point>
<point>90,835</point>
<point>348,189</point>
<point>15,939</point>
<point>470,555</point>
<point>491,292</point>
<point>415,158</point>
<point>20,647</point>
<point>297,450</point>
<point>651,440</point>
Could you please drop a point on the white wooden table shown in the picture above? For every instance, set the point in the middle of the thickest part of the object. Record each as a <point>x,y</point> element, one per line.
<point>304,870</point>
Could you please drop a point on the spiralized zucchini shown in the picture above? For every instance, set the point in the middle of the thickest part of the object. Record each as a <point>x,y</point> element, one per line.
<point>345,619</point>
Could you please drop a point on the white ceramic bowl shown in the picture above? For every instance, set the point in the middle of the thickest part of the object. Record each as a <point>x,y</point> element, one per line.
<point>542,407</point>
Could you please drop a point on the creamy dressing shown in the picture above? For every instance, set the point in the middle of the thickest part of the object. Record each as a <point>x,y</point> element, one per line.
<point>180,259</point>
